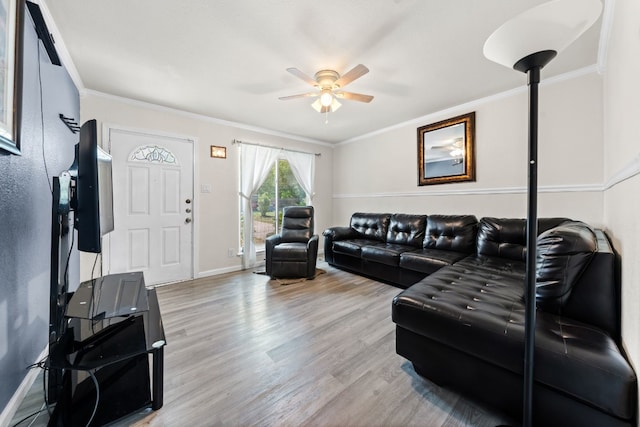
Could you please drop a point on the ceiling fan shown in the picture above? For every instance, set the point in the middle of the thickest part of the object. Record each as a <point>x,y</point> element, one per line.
<point>329,86</point>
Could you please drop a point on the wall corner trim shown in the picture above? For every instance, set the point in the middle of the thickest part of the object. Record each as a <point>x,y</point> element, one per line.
<point>629,171</point>
<point>605,34</point>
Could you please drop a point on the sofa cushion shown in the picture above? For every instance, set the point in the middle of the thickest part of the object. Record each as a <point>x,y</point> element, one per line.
<point>371,225</point>
<point>291,251</point>
<point>451,232</point>
<point>297,224</point>
<point>507,237</point>
<point>351,247</point>
<point>563,253</point>
<point>498,267</point>
<point>406,229</point>
<point>429,260</point>
<point>384,253</point>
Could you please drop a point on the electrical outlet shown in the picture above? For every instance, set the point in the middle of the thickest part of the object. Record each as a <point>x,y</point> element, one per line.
<point>231,253</point>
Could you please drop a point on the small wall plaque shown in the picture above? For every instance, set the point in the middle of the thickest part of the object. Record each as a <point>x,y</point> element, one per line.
<point>218,152</point>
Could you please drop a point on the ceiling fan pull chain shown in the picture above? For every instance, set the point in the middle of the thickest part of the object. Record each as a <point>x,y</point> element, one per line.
<point>326,117</point>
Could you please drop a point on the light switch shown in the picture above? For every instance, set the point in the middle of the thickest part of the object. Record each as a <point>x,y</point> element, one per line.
<point>205,188</point>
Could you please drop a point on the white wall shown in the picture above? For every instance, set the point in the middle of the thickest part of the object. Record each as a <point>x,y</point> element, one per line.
<point>216,222</point>
<point>622,161</point>
<point>378,173</point>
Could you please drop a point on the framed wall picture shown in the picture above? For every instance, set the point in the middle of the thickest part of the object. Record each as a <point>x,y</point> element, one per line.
<point>446,151</point>
<point>218,152</point>
<point>11,46</point>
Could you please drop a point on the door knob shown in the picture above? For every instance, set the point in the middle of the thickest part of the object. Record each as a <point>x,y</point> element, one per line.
<point>188,220</point>
<point>188,201</point>
<point>188,210</point>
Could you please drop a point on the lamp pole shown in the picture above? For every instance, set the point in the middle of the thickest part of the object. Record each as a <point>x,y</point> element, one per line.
<point>531,64</point>
<point>532,233</point>
<point>527,43</point>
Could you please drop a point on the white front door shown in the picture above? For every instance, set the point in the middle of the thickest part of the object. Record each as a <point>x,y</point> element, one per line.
<point>153,206</point>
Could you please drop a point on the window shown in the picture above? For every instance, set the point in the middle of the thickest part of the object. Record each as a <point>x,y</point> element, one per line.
<point>268,173</point>
<point>279,190</point>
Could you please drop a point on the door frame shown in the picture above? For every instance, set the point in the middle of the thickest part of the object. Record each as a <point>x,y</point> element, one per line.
<point>195,240</point>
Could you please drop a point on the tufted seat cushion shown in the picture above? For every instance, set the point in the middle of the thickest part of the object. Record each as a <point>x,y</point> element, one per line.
<point>429,260</point>
<point>351,247</point>
<point>388,254</point>
<point>477,308</point>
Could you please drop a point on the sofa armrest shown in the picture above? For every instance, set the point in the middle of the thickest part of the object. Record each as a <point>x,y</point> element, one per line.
<point>312,256</point>
<point>340,233</point>
<point>335,233</point>
<point>273,240</point>
<point>270,243</point>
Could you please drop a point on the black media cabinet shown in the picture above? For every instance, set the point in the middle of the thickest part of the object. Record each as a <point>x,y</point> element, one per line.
<point>113,328</point>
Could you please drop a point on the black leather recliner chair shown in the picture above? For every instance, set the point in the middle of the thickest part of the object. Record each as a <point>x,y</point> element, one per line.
<point>293,252</point>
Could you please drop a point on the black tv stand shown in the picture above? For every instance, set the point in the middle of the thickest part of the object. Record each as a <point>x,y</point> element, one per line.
<point>113,328</point>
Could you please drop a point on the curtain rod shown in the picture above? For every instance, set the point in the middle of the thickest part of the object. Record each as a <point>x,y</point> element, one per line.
<point>237,141</point>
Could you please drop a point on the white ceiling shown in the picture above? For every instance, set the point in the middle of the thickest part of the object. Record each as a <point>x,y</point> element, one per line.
<point>227,59</point>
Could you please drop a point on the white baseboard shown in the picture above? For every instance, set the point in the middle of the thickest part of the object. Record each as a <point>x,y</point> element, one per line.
<point>218,271</point>
<point>14,403</point>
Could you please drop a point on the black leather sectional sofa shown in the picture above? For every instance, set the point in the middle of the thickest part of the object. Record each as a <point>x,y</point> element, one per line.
<point>460,320</point>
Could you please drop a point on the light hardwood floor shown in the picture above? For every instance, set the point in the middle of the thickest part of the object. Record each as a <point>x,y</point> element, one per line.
<point>246,350</point>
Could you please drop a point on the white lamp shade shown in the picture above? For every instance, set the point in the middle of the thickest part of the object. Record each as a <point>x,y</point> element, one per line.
<point>335,105</point>
<point>326,97</point>
<point>317,105</point>
<point>549,26</point>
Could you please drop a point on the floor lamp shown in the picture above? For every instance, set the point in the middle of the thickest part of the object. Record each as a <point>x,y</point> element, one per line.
<point>527,43</point>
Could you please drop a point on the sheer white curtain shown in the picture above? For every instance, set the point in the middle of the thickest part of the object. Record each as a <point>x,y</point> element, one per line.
<point>255,163</point>
<point>303,166</point>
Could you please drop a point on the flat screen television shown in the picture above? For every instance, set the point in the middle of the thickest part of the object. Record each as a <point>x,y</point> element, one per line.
<point>87,189</point>
<point>94,191</point>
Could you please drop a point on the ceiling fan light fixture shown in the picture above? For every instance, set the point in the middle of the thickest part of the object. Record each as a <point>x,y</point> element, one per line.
<point>326,97</point>
<point>326,82</point>
<point>320,108</point>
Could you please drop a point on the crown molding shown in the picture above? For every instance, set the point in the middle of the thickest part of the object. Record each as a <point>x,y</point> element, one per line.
<point>61,47</point>
<point>201,117</point>
<point>599,67</point>
<point>472,105</point>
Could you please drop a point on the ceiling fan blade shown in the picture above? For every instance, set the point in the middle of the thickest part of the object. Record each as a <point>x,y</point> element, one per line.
<point>301,95</point>
<point>299,74</point>
<point>356,72</point>
<point>354,96</point>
